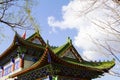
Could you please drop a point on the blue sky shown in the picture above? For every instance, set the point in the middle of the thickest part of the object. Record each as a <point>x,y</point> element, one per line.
<point>46,9</point>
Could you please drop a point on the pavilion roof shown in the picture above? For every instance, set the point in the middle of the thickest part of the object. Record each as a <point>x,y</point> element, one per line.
<point>56,56</point>
<point>63,48</point>
<point>99,67</point>
<point>36,35</point>
<point>18,41</point>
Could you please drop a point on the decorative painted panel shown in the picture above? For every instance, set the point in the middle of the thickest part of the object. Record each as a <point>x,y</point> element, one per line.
<point>37,41</point>
<point>17,64</point>
<point>69,54</point>
<point>7,70</point>
<point>0,73</point>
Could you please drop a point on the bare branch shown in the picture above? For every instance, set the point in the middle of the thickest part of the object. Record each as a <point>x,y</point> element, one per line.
<point>6,1</point>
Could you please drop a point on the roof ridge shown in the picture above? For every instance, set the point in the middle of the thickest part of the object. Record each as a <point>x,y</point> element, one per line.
<point>60,48</point>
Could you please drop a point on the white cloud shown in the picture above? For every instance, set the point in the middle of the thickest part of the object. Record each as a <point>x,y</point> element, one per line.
<point>73,17</point>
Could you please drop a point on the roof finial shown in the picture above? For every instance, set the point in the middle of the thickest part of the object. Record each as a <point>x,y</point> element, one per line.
<point>47,42</point>
<point>69,40</point>
<point>37,30</point>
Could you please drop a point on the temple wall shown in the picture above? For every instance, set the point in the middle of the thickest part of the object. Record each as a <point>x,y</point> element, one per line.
<point>28,63</point>
<point>6,77</point>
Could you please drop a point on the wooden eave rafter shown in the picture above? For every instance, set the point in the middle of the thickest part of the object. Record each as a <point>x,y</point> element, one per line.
<point>9,49</point>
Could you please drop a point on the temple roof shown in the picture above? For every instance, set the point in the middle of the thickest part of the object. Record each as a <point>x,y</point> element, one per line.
<point>62,49</point>
<point>17,41</point>
<point>99,67</point>
<point>59,56</point>
<point>38,36</point>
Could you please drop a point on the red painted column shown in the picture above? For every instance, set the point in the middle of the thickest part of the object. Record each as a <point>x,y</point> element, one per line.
<point>21,62</point>
<point>13,67</point>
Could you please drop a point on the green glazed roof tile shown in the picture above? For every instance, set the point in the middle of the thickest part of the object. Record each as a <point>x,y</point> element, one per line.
<point>61,49</point>
<point>36,33</point>
<point>97,65</point>
<point>30,43</point>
